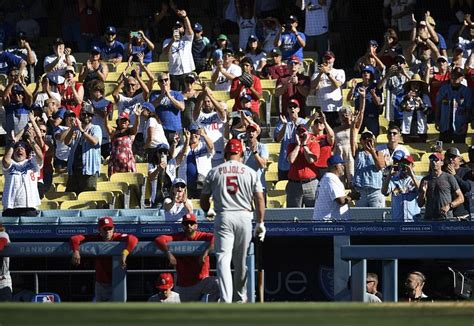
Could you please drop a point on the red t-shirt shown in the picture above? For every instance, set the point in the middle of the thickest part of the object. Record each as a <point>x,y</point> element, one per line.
<point>470,78</point>
<point>293,93</point>
<point>103,265</point>
<point>279,71</point>
<point>242,90</point>
<point>435,84</point>
<point>189,271</point>
<point>325,150</point>
<point>301,169</point>
<point>67,98</point>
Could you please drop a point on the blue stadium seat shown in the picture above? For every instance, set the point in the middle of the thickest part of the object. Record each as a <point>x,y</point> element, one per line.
<point>25,220</point>
<point>139,212</point>
<point>201,216</point>
<point>46,297</point>
<point>151,219</point>
<point>68,220</point>
<point>99,212</point>
<point>126,220</point>
<point>9,220</point>
<point>289,214</point>
<point>61,212</point>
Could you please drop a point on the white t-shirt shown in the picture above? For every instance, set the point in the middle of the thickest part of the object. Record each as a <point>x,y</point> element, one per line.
<point>42,97</point>
<point>158,136</point>
<point>127,104</point>
<point>257,58</point>
<point>222,83</point>
<point>214,128</point>
<point>386,152</point>
<point>62,150</point>
<point>57,75</point>
<point>328,97</point>
<point>325,207</point>
<point>21,184</point>
<point>246,28</point>
<point>180,56</point>
<point>316,17</point>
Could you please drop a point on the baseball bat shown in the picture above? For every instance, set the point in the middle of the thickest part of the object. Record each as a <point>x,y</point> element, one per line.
<point>260,270</point>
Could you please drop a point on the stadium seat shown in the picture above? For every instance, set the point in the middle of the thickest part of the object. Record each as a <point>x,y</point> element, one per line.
<point>79,204</point>
<point>60,178</point>
<point>48,204</point>
<point>281,185</point>
<point>221,95</point>
<point>273,167</point>
<point>102,198</point>
<point>269,84</point>
<point>99,212</point>
<point>46,297</point>
<point>136,183</point>
<point>230,104</point>
<point>10,220</point>
<point>120,189</point>
<point>272,203</point>
<point>278,195</point>
<point>109,88</point>
<point>61,196</point>
<point>139,212</point>
<point>122,65</point>
<point>370,214</point>
<point>271,176</point>
<point>126,220</point>
<point>196,203</point>
<point>67,220</point>
<point>205,75</point>
<point>113,77</point>
<point>30,220</point>
<point>151,219</point>
<point>3,79</point>
<point>61,213</point>
<point>160,66</point>
<point>81,57</point>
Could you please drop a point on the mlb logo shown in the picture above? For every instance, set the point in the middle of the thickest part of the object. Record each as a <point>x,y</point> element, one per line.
<point>46,298</point>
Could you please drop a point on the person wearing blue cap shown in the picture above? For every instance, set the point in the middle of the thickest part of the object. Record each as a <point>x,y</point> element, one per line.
<point>200,48</point>
<point>373,99</point>
<point>401,183</point>
<point>254,51</point>
<point>17,101</point>
<point>331,203</point>
<point>111,49</point>
<point>93,69</point>
<point>23,50</point>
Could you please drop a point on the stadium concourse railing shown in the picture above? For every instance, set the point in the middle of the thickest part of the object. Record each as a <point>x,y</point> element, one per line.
<point>114,249</point>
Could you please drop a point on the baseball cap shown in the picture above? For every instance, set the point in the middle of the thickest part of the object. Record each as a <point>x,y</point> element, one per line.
<point>110,30</point>
<point>367,134</point>
<point>398,155</point>
<point>301,128</point>
<point>71,69</point>
<point>294,59</point>
<point>254,126</point>
<point>252,38</point>
<point>329,54</point>
<point>409,159</point>
<point>23,144</point>
<point>292,19</point>
<point>197,27</point>
<point>149,107</point>
<point>294,101</point>
<point>21,35</point>
<point>95,49</point>
<point>275,52</point>
<point>178,24</point>
<point>373,43</point>
<point>58,41</point>
<point>233,146</point>
<point>442,57</point>
<point>89,109</point>
<point>246,97</point>
<point>164,281</point>
<point>222,37</point>
<point>190,217</point>
<point>193,127</point>
<point>105,222</point>
<point>227,51</point>
<point>179,181</point>
<point>369,69</point>
<point>335,159</point>
<point>124,115</point>
<point>457,72</point>
<point>162,147</point>
<point>437,156</point>
<point>17,89</point>
<point>452,151</point>
<point>400,58</point>
<point>192,76</point>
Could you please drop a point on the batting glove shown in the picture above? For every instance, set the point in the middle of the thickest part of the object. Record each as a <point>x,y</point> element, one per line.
<point>260,231</point>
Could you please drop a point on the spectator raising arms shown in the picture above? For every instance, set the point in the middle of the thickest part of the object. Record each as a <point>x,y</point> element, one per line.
<point>93,69</point>
<point>225,72</point>
<point>72,92</point>
<point>253,50</point>
<point>177,204</point>
<point>55,65</point>
<point>289,40</point>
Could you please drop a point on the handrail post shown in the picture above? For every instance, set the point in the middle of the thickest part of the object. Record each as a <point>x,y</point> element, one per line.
<point>390,280</point>
<point>358,280</point>
<point>119,280</point>
<point>251,273</point>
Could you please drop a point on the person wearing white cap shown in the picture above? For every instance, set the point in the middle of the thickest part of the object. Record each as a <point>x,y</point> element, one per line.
<point>177,204</point>
<point>256,153</point>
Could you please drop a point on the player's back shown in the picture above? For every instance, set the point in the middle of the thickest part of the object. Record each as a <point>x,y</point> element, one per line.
<point>232,185</point>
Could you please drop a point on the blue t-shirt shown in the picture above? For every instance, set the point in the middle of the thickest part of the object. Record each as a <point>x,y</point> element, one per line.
<point>60,113</point>
<point>169,115</point>
<point>110,52</point>
<point>290,45</point>
<point>8,61</point>
<point>146,51</point>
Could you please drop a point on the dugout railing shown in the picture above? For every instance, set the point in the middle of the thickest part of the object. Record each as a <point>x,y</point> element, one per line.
<point>114,249</point>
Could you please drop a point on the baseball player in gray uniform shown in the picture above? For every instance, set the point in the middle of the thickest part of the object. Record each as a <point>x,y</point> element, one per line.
<point>233,186</point>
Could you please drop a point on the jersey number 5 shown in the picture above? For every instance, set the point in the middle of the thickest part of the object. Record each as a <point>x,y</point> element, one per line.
<point>231,184</point>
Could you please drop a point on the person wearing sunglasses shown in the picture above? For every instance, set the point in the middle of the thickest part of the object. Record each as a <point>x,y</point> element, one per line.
<point>439,191</point>
<point>177,204</point>
<point>392,145</point>
<point>194,280</point>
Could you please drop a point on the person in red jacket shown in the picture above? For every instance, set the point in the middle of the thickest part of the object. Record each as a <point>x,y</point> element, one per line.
<point>103,265</point>
<point>192,272</point>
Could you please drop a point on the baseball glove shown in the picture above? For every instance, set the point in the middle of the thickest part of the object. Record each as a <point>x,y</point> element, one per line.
<point>246,79</point>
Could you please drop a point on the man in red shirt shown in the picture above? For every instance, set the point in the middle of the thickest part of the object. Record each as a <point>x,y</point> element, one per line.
<point>437,79</point>
<point>302,176</point>
<point>193,272</point>
<point>293,86</point>
<point>103,265</point>
<point>277,68</point>
<point>247,83</point>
